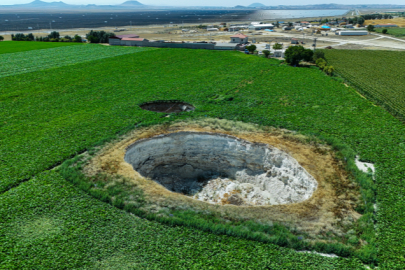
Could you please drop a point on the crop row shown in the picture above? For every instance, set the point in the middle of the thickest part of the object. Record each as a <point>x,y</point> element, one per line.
<point>47,223</point>
<point>22,46</point>
<point>35,60</point>
<point>48,116</point>
<point>377,74</point>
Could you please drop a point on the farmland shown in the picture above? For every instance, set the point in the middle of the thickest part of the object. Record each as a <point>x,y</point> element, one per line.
<point>375,74</point>
<point>50,115</point>
<point>22,46</point>
<point>22,62</point>
<point>398,32</point>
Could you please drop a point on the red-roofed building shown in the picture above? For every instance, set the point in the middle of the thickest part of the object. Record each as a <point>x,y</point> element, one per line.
<point>239,38</point>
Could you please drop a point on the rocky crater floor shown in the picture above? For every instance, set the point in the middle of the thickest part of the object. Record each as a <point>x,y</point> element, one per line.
<point>221,169</point>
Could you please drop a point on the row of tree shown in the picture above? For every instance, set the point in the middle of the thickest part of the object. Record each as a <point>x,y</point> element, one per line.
<point>99,36</point>
<point>52,37</point>
<point>92,37</point>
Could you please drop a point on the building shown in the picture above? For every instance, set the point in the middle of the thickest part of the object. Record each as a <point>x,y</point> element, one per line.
<point>353,33</point>
<point>167,44</point>
<point>388,25</point>
<point>278,53</point>
<point>212,29</point>
<point>239,38</point>
<point>261,26</point>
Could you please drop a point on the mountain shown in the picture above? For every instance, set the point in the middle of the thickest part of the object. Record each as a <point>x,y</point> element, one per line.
<point>132,3</point>
<point>254,5</point>
<point>39,3</point>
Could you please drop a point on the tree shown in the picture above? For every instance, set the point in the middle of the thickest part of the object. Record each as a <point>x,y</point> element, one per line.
<point>266,53</point>
<point>54,35</point>
<point>318,55</point>
<point>77,38</point>
<point>290,24</point>
<point>277,46</point>
<point>370,28</point>
<point>360,20</point>
<point>251,48</point>
<point>384,31</point>
<point>99,36</point>
<point>93,39</point>
<point>277,24</point>
<point>1,38</point>
<point>295,54</point>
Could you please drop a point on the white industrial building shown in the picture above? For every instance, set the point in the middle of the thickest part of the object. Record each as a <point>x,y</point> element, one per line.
<point>261,26</point>
<point>353,33</point>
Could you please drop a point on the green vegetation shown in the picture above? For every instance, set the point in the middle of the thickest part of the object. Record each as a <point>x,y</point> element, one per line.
<point>251,48</point>
<point>49,116</point>
<point>47,223</point>
<point>36,60</point>
<point>376,74</point>
<point>22,46</point>
<point>370,28</point>
<point>99,36</point>
<point>295,54</point>
<point>277,46</point>
<point>398,32</point>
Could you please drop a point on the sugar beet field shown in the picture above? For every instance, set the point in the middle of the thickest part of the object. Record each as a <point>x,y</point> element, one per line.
<point>64,104</point>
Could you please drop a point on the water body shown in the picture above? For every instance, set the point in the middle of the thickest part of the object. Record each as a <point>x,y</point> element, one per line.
<point>294,14</point>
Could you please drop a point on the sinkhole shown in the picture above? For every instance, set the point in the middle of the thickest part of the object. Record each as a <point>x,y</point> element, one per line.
<point>221,169</point>
<point>167,106</point>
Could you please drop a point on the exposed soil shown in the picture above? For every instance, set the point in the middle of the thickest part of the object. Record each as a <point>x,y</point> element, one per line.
<point>329,209</point>
<point>167,106</point>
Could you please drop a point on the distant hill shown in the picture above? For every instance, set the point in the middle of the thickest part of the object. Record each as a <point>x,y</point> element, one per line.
<point>256,5</point>
<point>39,3</point>
<point>132,3</point>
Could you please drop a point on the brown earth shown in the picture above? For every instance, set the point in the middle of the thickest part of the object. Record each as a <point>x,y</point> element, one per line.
<point>398,21</point>
<point>330,209</point>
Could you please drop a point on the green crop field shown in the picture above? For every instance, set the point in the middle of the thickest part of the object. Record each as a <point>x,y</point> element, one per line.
<point>398,32</point>
<point>48,116</point>
<point>22,46</point>
<point>35,60</point>
<point>376,74</point>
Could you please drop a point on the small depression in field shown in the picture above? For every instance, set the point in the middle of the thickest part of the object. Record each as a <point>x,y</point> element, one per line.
<point>221,169</point>
<point>167,106</point>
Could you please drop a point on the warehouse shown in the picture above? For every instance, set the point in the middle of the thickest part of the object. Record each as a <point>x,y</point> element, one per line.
<point>353,33</point>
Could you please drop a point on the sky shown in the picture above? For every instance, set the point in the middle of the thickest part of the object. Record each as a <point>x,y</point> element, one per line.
<point>226,3</point>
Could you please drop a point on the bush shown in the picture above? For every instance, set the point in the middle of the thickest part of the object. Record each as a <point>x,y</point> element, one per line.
<point>384,31</point>
<point>329,70</point>
<point>321,63</point>
<point>1,38</point>
<point>277,46</point>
